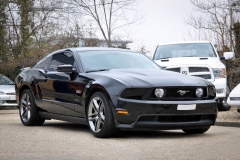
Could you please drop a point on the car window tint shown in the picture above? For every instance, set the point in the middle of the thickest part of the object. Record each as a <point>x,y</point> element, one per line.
<point>115,60</point>
<point>5,81</point>
<point>61,59</point>
<point>43,64</point>
<point>185,50</point>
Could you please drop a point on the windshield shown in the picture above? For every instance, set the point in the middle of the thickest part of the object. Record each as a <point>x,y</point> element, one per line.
<point>185,50</point>
<point>102,60</point>
<point>5,81</point>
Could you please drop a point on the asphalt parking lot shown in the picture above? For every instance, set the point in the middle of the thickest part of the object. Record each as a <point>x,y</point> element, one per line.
<point>62,140</point>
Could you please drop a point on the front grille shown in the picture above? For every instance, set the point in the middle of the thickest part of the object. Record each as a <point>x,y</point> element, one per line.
<point>198,69</point>
<point>11,101</point>
<point>177,118</point>
<point>12,93</point>
<point>202,72</point>
<point>174,93</point>
<point>187,118</point>
<point>174,69</point>
<point>206,76</point>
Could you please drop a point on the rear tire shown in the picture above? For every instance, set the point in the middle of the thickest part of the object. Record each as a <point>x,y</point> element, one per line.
<point>28,110</point>
<point>197,131</point>
<point>238,110</point>
<point>99,116</point>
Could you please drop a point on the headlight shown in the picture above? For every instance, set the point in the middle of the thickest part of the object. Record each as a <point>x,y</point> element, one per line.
<point>219,72</point>
<point>199,92</point>
<point>2,93</point>
<point>159,92</point>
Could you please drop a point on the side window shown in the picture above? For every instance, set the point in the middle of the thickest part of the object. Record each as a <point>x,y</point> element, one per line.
<point>43,64</point>
<point>60,59</point>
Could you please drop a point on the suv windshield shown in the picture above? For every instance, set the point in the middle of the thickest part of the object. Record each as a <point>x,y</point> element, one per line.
<point>185,50</point>
<point>103,60</point>
<point>5,81</point>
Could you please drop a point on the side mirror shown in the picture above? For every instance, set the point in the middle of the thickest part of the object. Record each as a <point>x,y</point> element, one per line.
<point>229,55</point>
<point>66,68</point>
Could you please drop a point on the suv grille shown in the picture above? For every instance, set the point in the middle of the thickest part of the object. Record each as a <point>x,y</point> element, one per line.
<point>198,69</point>
<point>11,101</point>
<point>174,69</point>
<point>13,93</point>
<point>202,72</point>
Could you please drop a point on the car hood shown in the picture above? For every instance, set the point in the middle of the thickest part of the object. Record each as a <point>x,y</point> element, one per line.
<point>7,88</point>
<point>152,78</point>
<point>212,62</point>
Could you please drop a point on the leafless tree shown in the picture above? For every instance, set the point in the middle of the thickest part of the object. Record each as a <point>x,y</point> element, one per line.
<point>213,21</point>
<point>109,15</point>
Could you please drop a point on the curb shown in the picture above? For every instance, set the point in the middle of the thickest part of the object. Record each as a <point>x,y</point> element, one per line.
<point>228,124</point>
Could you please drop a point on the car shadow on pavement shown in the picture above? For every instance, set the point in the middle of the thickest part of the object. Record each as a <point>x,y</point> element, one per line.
<point>159,134</point>
<point>126,133</point>
<point>66,126</point>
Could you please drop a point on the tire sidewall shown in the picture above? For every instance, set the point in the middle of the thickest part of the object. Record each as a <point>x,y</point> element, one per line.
<point>108,122</point>
<point>32,110</point>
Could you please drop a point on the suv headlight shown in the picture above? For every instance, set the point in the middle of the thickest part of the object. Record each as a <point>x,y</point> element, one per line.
<point>2,93</point>
<point>219,72</point>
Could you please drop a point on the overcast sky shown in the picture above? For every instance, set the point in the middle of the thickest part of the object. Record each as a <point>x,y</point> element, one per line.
<point>163,23</point>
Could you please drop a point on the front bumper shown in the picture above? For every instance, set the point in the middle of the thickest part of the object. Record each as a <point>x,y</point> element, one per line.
<point>221,87</point>
<point>8,100</point>
<point>164,114</point>
<point>233,103</point>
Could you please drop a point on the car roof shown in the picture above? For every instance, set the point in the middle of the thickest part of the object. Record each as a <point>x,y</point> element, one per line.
<point>99,49</point>
<point>77,49</point>
<point>183,42</point>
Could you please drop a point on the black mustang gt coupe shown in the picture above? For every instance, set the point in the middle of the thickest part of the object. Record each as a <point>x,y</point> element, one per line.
<point>111,89</point>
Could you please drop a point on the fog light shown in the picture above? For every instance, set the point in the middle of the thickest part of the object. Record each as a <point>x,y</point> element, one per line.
<point>199,92</point>
<point>2,93</point>
<point>159,92</point>
<point>219,90</point>
<point>2,102</point>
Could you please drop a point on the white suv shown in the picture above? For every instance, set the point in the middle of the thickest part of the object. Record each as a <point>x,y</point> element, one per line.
<point>197,58</point>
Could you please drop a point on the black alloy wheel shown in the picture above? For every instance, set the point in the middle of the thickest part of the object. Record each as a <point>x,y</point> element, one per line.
<point>28,110</point>
<point>99,116</point>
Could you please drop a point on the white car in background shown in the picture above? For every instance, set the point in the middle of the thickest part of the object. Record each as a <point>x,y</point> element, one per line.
<point>197,58</point>
<point>234,98</point>
<point>7,92</point>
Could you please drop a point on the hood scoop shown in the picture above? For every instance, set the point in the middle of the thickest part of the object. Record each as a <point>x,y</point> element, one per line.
<point>203,58</point>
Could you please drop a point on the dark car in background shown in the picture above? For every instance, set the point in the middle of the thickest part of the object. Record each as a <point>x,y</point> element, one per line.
<point>111,89</point>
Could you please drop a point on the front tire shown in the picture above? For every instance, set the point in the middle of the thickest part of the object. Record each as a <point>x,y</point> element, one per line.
<point>197,130</point>
<point>99,116</point>
<point>28,110</point>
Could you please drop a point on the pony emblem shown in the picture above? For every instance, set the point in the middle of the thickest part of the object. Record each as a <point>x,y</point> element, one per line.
<point>181,92</point>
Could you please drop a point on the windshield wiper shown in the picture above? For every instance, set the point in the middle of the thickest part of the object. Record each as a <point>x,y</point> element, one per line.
<point>189,56</point>
<point>163,58</point>
<point>97,70</point>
